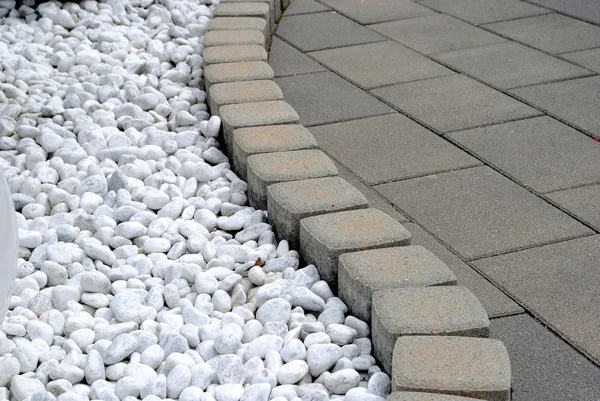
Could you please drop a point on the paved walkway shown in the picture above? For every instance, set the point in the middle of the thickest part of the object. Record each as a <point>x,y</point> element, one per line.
<point>473,122</point>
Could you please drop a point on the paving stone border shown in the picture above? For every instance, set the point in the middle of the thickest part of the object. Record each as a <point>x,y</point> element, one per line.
<point>333,228</point>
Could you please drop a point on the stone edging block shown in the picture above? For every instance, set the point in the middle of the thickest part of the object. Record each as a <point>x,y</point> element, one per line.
<point>233,54</point>
<point>233,72</point>
<point>234,38</point>
<point>412,396</point>
<point>242,92</point>
<point>239,23</point>
<point>246,9</point>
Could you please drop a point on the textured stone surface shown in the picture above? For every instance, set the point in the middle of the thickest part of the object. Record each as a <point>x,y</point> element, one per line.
<point>590,59</point>
<point>413,396</point>
<point>232,72</point>
<point>460,102</point>
<point>305,7</point>
<point>377,64</point>
<point>258,9</point>
<point>237,23</point>
<point>444,310</point>
<point>233,38</point>
<point>290,202</point>
<point>242,92</point>
<point>436,33</point>
<point>478,212</point>
<point>469,367</point>
<point>268,139</point>
<point>584,9</point>
<point>274,8</point>
<point>233,54</point>
<point>369,12</point>
<point>325,237</point>
<point>287,60</point>
<point>362,273</point>
<point>582,202</point>
<point>485,11</point>
<point>509,65</point>
<point>270,168</point>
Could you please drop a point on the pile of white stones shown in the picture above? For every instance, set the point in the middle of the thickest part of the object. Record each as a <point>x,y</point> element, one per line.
<point>143,274</point>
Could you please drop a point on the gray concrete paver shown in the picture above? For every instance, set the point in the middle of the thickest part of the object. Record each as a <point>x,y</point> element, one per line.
<point>369,155</point>
<point>582,202</point>
<point>287,60</point>
<point>460,102</point>
<point>544,367</point>
<point>552,33</point>
<point>338,99</point>
<point>559,284</point>
<point>436,33</point>
<point>509,65</point>
<point>590,59</point>
<point>478,212</point>
<point>382,63</point>
<point>536,151</point>
<point>369,12</point>
<point>484,11</point>
<point>298,7</point>
<point>584,9</point>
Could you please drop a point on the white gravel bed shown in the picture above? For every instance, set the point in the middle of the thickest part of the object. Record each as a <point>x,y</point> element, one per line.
<point>143,273</point>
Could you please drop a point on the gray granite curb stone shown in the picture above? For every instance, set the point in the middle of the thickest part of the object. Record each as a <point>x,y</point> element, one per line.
<point>362,251</point>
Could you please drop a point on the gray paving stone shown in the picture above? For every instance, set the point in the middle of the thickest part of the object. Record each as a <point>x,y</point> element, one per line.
<point>234,8</point>
<point>584,9</point>
<point>396,148</point>
<point>553,33</point>
<point>369,12</point>
<point>479,212</point>
<point>268,139</point>
<point>460,102</point>
<point>290,202</point>
<point>445,310</point>
<point>360,274</point>
<point>305,7</point>
<point>324,97</point>
<point>325,237</point>
<point>233,72</point>
<point>509,64</point>
<point>484,11</point>
<point>413,396</point>
<point>558,284</point>
<point>590,59</point>
<point>379,64</point>
<point>237,23</point>
<point>495,302</point>
<point>270,168</point>
<point>544,366</point>
<point>581,110</point>
<point>242,92</point>
<point>541,153</point>
<point>234,38</point>
<point>436,33</point>
<point>464,366</point>
<point>582,202</point>
<point>233,54</point>
<point>319,31</point>
<point>287,60</point>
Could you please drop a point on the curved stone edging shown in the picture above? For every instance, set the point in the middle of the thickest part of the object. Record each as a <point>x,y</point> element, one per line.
<point>426,331</point>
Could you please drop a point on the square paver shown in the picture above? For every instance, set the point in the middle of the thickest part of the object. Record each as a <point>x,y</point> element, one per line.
<point>298,7</point>
<point>558,283</point>
<point>541,153</point>
<point>543,365</point>
<point>319,31</point>
<point>389,148</point>
<point>478,212</point>
<point>553,33</point>
<point>590,59</point>
<point>495,302</point>
<point>379,64</point>
<point>509,64</point>
<point>372,11</point>
<point>454,102</point>
<point>584,9</point>
<point>287,60</point>
<point>582,202</point>
<point>484,11</point>
<point>436,34</point>
<point>324,97</point>
<point>582,108</point>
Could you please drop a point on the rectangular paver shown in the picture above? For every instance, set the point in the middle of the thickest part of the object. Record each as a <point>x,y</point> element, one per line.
<point>436,33</point>
<point>287,60</point>
<point>242,92</point>
<point>233,72</point>
<point>479,212</point>
<point>234,38</point>
<point>324,97</point>
<point>370,12</point>
<point>259,9</point>
<point>418,396</point>
<point>445,310</point>
<point>305,7</point>
<point>360,274</point>
<point>509,64</point>
<point>580,110</point>
<point>460,102</point>
<point>327,30</point>
<point>378,64</point>
<point>558,284</point>
<point>485,11</point>
<point>584,9</point>
<point>553,33</point>
<point>470,367</point>
<point>589,59</point>
<point>541,153</point>
<point>395,148</point>
<point>582,202</point>
<point>544,366</point>
<point>233,54</point>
